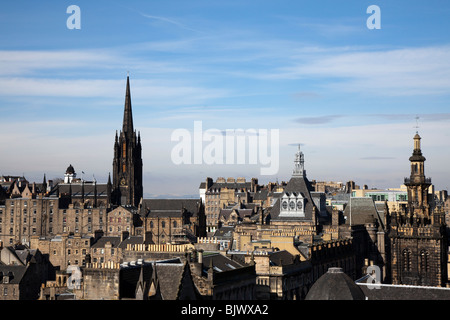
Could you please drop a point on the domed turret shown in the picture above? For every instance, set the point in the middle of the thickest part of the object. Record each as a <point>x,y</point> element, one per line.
<point>70,174</point>
<point>335,285</point>
<point>70,169</point>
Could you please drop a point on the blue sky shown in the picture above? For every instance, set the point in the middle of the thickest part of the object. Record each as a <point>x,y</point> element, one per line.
<point>310,69</point>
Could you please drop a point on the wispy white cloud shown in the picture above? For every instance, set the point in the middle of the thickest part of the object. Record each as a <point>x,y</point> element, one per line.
<point>384,71</point>
<point>169,21</point>
<point>14,63</point>
<point>149,92</point>
<point>324,28</point>
<point>408,71</point>
<point>318,119</point>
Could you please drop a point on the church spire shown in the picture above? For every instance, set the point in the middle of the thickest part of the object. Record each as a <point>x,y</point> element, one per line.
<point>127,162</point>
<point>127,114</point>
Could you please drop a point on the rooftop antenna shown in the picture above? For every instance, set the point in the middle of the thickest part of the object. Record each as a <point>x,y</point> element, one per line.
<point>417,124</point>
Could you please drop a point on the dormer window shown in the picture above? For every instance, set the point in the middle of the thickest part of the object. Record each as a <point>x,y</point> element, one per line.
<point>292,205</point>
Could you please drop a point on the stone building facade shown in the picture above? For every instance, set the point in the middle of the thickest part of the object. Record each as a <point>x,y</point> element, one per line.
<point>224,193</point>
<point>418,239</point>
<point>173,220</point>
<point>121,219</point>
<point>27,212</point>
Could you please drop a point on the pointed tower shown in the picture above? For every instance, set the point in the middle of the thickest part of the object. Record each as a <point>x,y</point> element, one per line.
<point>299,164</point>
<point>418,185</point>
<point>418,241</point>
<point>127,164</point>
<point>44,185</point>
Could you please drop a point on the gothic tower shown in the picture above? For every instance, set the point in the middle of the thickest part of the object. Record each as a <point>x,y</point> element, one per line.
<point>127,163</point>
<point>417,233</point>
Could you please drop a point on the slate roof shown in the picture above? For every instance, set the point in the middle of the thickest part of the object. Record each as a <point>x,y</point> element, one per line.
<point>77,189</point>
<point>261,195</point>
<point>17,272</point>
<point>231,185</point>
<point>101,242</point>
<point>133,240</point>
<point>360,211</point>
<point>404,292</point>
<point>225,232</point>
<point>170,207</point>
<point>276,258</point>
<point>240,212</point>
<point>168,275</point>
<point>220,263</point>
<point>22,253</point>
<point>279,258</point>
<point>298,185</point>
<point>116,241</point>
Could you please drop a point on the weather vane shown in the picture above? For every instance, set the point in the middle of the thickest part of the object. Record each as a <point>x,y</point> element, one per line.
<point>417,124</point>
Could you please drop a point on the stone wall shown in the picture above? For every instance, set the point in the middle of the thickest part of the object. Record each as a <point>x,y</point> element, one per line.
<point>100,284</point>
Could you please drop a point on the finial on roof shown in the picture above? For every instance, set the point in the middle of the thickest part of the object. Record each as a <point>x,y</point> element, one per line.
<point>417,124</point>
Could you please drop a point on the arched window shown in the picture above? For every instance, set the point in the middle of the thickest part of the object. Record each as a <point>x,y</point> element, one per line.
<point>424,261</point>
<point>406,259</point>
<point>174,224</point>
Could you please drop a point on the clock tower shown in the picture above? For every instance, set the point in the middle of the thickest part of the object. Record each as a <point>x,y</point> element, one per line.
<point>127,163</point>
